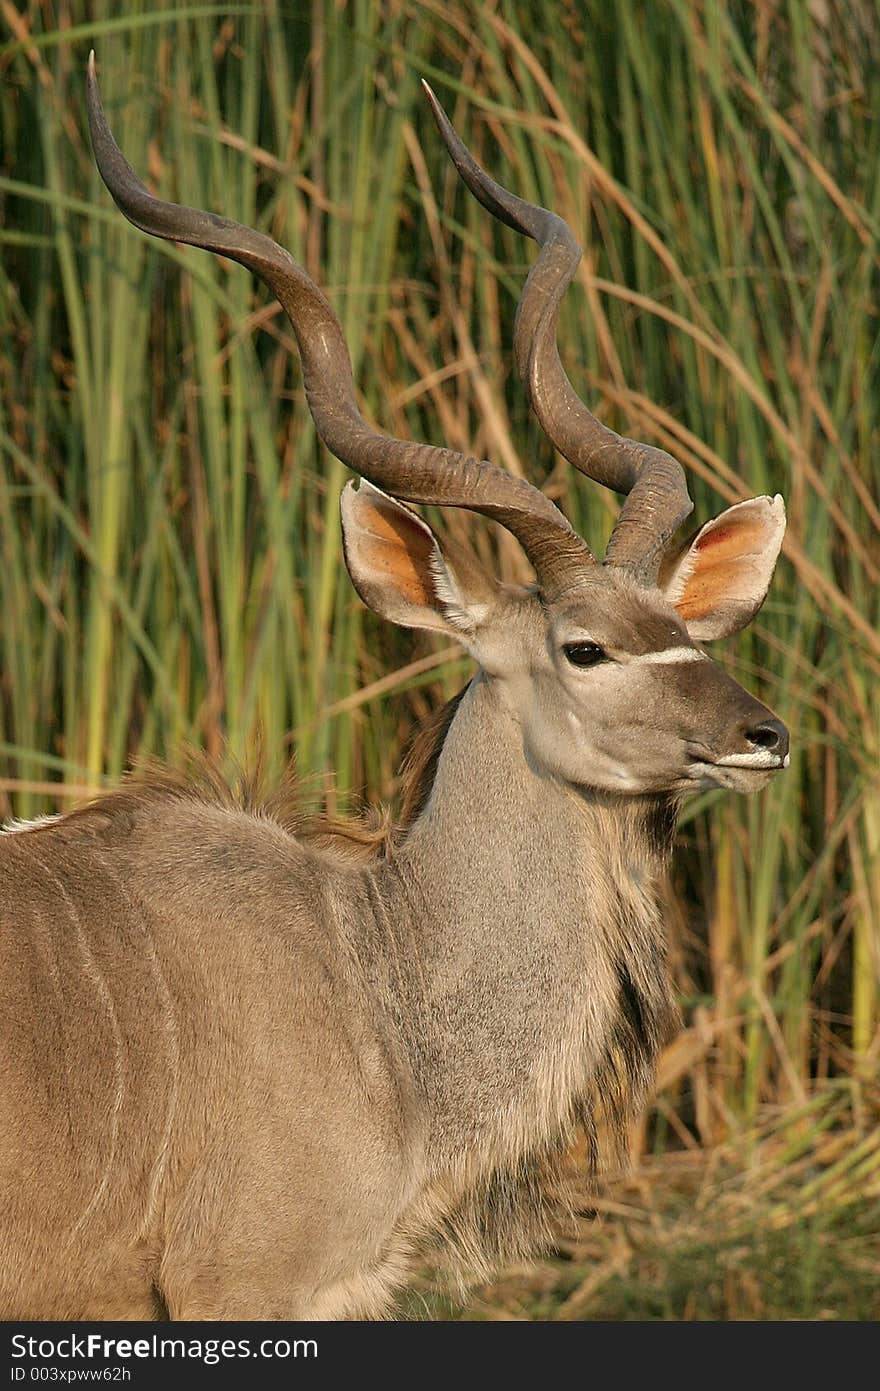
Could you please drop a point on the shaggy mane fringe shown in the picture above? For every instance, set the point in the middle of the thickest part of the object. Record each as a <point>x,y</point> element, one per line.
<point>212,782</point>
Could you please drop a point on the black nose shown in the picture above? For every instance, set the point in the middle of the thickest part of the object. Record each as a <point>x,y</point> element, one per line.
<point>770,735</point>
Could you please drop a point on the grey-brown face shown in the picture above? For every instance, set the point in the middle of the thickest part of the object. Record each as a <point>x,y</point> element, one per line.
<point>607,678</point>
<point>613,693</point>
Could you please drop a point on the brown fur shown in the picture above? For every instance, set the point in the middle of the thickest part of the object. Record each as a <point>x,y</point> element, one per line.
<point>471,1217</point>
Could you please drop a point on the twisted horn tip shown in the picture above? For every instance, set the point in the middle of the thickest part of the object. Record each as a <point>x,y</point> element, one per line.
<point>444,125</point>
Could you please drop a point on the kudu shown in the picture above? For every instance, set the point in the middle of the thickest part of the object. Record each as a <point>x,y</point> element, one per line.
<point>256,1073</point>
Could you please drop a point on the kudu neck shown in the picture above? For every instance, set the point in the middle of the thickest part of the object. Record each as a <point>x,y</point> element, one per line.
<point>531,927</point>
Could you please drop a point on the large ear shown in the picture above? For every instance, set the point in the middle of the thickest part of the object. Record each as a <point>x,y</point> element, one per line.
<point>397,567</point>
<point>721,579</point>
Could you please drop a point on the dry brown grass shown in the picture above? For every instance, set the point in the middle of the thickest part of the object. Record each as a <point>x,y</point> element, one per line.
<point>782,1222</point>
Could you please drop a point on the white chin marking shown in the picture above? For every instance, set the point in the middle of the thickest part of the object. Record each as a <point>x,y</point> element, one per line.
<point>622,781</point>
<point>760,759</point>
<point>736,777</point>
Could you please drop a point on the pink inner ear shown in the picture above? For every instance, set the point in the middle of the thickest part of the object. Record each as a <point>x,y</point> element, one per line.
<point>399,546</point>
<point>705,590</point>
<point>740,537</point>
<point>715,537</point>
<point>723,562</point>
<point>391,558</point>
<point>720,581</point>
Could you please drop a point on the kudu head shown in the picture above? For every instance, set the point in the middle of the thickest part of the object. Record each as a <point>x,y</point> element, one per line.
<point>602,662</point>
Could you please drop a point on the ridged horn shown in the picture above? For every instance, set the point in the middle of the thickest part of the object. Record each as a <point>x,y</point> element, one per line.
<point>408,470</point>
<point>658,500</point>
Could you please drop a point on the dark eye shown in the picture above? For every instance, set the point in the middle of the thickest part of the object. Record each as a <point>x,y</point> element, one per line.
<point>585,654</point>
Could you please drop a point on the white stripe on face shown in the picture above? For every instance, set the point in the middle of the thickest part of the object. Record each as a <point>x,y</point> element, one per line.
<point>668,656</point>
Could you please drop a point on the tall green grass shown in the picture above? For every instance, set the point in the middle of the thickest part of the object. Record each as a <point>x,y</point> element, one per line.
<point>170,563</point>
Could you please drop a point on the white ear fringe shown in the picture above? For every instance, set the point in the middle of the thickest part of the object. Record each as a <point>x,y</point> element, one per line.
<point>467,620</point>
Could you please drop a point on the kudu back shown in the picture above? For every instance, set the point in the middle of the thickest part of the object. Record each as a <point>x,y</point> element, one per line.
<point>249,1071</point>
